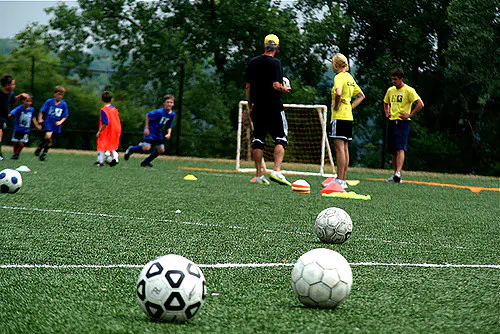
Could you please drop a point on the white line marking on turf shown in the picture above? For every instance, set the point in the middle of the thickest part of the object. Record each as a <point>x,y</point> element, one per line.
<point>249,265</point>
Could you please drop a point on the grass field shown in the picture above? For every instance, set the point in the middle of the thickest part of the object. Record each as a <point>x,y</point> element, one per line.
<point>425,258</point>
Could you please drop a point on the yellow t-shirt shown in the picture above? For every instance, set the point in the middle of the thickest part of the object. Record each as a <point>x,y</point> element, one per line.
<point>349,89</point>
<point>400,100</point>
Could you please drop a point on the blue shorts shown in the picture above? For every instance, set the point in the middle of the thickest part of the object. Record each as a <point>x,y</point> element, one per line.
<point>397,139</point>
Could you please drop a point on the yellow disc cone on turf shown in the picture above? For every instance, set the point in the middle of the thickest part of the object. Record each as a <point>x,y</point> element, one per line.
<point>190,177</point>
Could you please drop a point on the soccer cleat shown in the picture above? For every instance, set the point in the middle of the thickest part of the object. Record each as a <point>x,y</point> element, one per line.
<point>148,165</point>
<point>37,151</point>
<point>261,180</point>
<point>98,164</point>
<point>127,154</point>
<point>15,157</point>
<point>280,178</point>
<point>343,183</point>
<point>42,156</point>
<point>395,178</point>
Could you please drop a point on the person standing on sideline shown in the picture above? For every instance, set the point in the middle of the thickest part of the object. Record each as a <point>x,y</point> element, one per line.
<point>153,134</point>
<point>264,87</point>
<point>344,88</point>
<point>7,100</point>
<point>110,129</point>
<point>398,102</point>
<point>23,115</point>
<point>56,113</point>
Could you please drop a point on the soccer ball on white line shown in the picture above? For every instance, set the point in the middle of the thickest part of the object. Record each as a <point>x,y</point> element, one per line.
<point>333,226</point>
<point>322,278</point>
<point>10,181</point>
<point>171,288</point>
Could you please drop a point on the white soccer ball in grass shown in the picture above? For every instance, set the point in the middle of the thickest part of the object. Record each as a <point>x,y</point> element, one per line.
<point>322,278</point>
<point>10,181</point>
<point>108,157</point>
<point>333,226</point>
<point>171,288</point>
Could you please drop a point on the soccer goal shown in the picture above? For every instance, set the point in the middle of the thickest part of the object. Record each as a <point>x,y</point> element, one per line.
<point>308,144</point>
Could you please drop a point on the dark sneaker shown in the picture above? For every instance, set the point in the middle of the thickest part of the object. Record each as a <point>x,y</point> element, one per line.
<point>395,178</point>
<point>127,154</point>
<point>148,165</point>
<point>113,163</point>
<point>15,157</point>
<point>98,164</point>
<point>37,151</point>
<point>42,156</point>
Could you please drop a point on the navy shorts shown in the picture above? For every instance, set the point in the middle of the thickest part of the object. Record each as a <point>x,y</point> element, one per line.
<point>397,139</point>
<point>272,122</point>
<point>341,129</point>
<point>19,136</point>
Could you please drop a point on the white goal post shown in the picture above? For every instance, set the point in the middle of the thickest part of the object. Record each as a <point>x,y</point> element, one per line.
<point>307,136</point>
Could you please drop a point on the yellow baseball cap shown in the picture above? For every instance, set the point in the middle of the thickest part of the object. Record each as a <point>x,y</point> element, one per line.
<point>272,38</point>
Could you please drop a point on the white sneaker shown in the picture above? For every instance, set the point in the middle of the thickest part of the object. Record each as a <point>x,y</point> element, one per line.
<point>279,177</point>
<point>395,178</point>
<point>261,180</point>
<point>343,183</point>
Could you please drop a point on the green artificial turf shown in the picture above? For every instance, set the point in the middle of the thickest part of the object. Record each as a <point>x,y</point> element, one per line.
<point>69,213</point>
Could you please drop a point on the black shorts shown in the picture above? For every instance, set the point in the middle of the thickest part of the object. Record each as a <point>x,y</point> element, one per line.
<point>269,121</point>
<point>397,138</point>
<point>19,136</point>
<point>341,129</point>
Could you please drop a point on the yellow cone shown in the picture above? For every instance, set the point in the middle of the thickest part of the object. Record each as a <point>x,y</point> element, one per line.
<point>190,177</point>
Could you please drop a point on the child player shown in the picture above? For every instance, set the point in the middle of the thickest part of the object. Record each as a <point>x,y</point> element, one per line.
<point>153,135</point>
<point>23,116</point>
<point>53,114</point>
<point>110,129</point>
<point>7,100</point>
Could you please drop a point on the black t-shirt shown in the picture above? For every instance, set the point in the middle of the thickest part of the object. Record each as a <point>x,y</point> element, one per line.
<point>261,72</point>
<point>6,102</point>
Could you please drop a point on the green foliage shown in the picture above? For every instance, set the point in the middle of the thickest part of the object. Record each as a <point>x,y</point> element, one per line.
<point>447,48</point>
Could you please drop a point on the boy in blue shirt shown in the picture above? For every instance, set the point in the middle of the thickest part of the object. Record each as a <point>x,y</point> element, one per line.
<point>23,116</point>
<point>153,134</point>
<point>55,111</point>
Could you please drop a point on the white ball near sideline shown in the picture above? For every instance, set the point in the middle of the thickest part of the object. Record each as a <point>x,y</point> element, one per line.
<point>286,83</point>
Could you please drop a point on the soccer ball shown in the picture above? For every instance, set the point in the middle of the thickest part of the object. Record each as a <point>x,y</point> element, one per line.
<point>286,82</point>
<point>10,181</point>
<point>171,288</point>
<point>322,278</point>
<point>108,157</point>
<point>333,226</point>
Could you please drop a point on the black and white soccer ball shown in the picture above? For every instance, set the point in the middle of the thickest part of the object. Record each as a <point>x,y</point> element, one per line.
<point>333,226</point>
<point>10,181</point>
<point>171,288</point>
<point>322,278</point>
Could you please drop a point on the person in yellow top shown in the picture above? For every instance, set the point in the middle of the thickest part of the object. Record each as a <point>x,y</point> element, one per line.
<point>344,88</point>
<point>398,102</point>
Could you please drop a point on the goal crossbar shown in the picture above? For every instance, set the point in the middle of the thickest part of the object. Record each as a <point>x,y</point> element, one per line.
<point>325,146</point>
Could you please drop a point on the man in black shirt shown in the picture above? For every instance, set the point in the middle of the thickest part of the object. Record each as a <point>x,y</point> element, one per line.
<point>264,87</point>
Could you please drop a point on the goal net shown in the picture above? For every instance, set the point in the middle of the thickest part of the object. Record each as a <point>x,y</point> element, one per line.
<point>308,146</point>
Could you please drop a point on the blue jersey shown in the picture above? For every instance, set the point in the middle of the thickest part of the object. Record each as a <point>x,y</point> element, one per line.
<point>157,120</point>
<point>54,113</point>
<point>22,118</point>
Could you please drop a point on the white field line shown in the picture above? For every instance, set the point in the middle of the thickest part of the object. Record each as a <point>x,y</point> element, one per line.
<point>106,215</point>
<point>250,265</point>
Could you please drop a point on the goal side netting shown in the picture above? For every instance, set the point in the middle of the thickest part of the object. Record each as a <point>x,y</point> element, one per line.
<point>308,151</point>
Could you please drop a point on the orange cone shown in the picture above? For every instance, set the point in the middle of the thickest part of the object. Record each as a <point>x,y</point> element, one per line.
<point>333,187</point>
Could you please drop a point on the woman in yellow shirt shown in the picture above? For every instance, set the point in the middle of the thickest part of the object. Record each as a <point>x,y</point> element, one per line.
<point>344,88</point>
